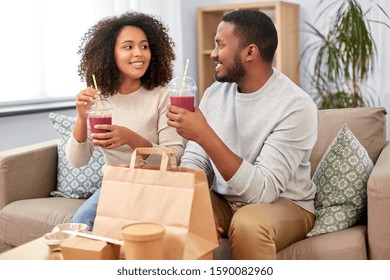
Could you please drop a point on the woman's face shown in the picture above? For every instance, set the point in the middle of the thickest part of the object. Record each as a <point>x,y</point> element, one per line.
<point>132,53</point>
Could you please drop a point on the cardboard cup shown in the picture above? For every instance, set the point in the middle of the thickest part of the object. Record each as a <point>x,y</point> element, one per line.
<point>143,241</point>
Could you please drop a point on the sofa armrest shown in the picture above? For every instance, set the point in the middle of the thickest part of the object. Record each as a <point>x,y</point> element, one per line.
<point>378,207</point>
<point>28,172</point>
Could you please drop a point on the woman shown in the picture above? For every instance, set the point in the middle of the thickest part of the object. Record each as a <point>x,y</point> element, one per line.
<point>131,57</point>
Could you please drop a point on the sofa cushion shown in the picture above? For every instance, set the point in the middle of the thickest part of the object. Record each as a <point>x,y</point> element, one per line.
<point>75,182</point>
<point>346,244</point>
<point>32,218</point>
<point>378,208</point>
<point>341,179</point>
<point>367,124</point>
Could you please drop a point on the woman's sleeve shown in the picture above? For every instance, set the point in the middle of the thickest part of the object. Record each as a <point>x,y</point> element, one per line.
<point>78,154</point>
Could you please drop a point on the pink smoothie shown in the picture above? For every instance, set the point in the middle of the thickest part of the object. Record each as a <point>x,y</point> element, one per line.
<point>186,102</point>
<point>93,120</point>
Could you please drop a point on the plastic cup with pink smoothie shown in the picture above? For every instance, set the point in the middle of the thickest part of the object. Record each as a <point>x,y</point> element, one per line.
<point>99,113</point>
<point>182,94</point>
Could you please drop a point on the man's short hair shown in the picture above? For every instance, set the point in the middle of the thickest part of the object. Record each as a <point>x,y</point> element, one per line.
<point>254,27</point>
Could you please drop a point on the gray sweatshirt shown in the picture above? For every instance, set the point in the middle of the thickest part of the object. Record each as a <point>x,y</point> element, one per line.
<point>273,130</point>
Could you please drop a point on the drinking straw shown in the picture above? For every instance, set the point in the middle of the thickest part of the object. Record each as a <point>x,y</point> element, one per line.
<point>98,98</point>
<point>184,77</point>
<point>94,82</point>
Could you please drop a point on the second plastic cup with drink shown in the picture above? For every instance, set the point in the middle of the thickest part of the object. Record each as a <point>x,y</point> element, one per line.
<point>182,92</point>
<point>100,113</point>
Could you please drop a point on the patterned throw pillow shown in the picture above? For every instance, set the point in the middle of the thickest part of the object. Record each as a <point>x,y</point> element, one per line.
<point>341,179</point>
<point>74,182</point>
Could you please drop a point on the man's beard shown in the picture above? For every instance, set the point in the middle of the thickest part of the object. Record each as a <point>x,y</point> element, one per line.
<point>234,73</point>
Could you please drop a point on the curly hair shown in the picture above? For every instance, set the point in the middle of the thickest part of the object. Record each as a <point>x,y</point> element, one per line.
<point>98,58</point>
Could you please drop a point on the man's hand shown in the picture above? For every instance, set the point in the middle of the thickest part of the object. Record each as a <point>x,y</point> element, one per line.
<point>190,125</point>
<point>219,228</point>
<point>194,126</point>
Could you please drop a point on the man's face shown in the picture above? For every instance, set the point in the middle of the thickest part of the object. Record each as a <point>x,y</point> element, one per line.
<point>227,54</point>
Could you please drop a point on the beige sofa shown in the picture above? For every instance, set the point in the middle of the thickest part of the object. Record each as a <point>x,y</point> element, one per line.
<point>28,175</point>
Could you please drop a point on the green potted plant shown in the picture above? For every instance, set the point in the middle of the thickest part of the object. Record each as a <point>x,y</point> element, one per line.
<point>343,57</point>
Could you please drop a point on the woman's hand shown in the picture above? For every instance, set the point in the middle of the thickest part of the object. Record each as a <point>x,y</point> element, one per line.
<point>114,136</point>
<point>84,101</point>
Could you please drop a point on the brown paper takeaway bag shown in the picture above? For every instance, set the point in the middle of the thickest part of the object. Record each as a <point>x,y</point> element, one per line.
<point>176,197</point>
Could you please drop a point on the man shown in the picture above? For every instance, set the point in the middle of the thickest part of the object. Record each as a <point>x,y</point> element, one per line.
<point>255,130</point>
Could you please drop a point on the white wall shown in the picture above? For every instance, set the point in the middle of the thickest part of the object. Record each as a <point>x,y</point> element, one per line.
<point>18,131</point>
<point>189,9</point>
<point>309,12</point>
<point>28,129</point>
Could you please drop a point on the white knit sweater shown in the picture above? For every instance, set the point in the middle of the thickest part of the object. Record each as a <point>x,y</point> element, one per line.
<point>144,112</point>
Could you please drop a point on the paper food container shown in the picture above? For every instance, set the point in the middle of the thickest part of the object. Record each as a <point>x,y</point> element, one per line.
<point>81,248</point>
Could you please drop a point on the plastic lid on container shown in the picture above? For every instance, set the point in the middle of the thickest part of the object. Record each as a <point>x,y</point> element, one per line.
<point>100,106</point>
<point>175,86</point>
<point>143,231</point>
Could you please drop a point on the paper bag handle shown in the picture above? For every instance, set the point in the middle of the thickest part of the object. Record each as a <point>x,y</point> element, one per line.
<point>165,153</point>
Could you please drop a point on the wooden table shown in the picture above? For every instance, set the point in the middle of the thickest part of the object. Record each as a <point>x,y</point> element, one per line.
<point>33,250</point>
<point>38,250</point>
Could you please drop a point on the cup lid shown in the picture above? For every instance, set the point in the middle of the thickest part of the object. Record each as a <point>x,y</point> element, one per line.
<point>142,231</point>
<point>175,85</point>
<point>100,106</point>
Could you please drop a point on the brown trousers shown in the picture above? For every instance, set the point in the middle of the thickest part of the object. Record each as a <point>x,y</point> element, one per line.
<point>258,231</point>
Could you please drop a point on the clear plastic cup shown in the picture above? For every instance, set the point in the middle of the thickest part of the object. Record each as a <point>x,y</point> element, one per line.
<point>100,113</point>
<point>182,95</point>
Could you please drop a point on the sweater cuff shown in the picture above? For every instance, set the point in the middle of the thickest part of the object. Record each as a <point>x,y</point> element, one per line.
<point>239,182</point>
<point>77,153</point>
